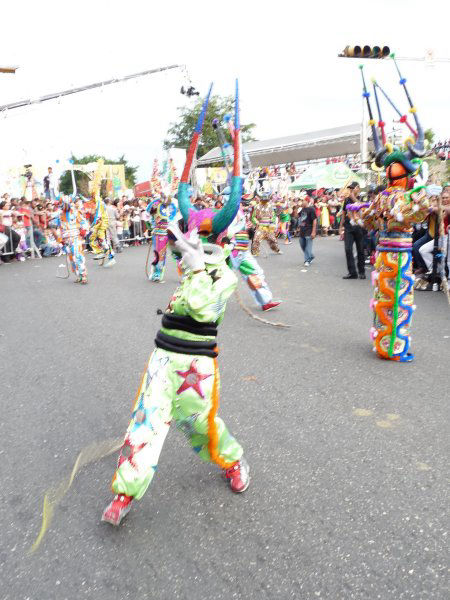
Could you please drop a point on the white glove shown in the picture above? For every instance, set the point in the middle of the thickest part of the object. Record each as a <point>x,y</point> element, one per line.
<point>433,189</point>
<point>192,254</point>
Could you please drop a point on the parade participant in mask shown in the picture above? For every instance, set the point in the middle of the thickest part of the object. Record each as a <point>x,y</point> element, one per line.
<point>181,380</point>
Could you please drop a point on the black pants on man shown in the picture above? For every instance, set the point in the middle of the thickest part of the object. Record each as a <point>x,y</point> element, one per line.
<point>354,236</point>
<point>7,253</point>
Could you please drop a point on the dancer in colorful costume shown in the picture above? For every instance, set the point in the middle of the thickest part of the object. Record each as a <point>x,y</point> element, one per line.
<point>73,227</point>
<point>99,241</point>
<point>237,233</point>
<point>243,261</point>
<point>285,222</point>
<point>181,381</point>
<point>264,219</point>
<point>394,212</point>
<point>162,211</point>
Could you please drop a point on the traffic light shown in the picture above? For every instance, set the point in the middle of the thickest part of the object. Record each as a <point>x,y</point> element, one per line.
<point>365,52</point>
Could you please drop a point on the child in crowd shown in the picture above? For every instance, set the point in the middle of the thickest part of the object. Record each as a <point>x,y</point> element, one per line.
<point>119,225</point>
<point>20,229</point>
<point>49,246</point>
<point>126,224</point>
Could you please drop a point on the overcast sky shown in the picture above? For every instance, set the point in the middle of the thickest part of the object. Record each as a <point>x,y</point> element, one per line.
<point>284,54</point>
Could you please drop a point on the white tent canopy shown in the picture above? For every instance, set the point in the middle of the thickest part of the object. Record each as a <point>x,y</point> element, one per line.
<point>326,143</point>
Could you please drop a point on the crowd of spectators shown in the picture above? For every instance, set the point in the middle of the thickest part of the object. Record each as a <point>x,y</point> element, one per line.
<point>27,227</point>
<point>32,226</point>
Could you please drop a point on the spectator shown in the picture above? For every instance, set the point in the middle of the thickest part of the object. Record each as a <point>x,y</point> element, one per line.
<point>425,238</point>
<point>333,209</point>
<point>308,229</point>
<point>50,185</point>
<point>324,214</point>
<point>135,222</point>
<point>426,250</point>
<point>294,219</point>
<point>113,214</point>
<point>6,227</point>
<point>48,245</point>
<point>352,234</point>
<point>126,217</point>
<point>19,228</point>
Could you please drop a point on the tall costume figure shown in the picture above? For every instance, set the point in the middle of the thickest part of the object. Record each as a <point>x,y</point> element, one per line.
<point>181,380</point>
<point>394,213</point>
<point>264,219</point>
<point>73,227</point>
<point>162,211</point>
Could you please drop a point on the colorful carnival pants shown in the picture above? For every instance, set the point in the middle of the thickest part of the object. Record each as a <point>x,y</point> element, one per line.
<point>264,232</point>
<point>179,387</point>
<point>99,241</point>
<point>283,229</point>
<point>253,275</point>
<point>159,245</point>
<point>74,251</point>
<point>393,299</point>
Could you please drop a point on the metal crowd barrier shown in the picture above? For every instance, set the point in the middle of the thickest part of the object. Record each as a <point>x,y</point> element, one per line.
<point>139,234</point>
<point>4,244</point>
<point>31,245</point>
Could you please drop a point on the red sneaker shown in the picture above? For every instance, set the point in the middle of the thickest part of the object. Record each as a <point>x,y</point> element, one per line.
<point>270,305</point>
<point>238,476</point>
<point>117,510</point>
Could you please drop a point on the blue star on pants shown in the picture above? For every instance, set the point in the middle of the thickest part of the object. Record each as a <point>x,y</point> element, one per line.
<point>141,415</point>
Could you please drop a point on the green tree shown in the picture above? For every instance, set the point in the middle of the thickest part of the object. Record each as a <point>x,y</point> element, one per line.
<point>82,180</point>
<point>429,136</point>
<point>180,133</point>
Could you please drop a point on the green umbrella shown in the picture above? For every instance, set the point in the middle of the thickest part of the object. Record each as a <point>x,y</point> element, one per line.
<point>336,175</point>
<point>307,180</point>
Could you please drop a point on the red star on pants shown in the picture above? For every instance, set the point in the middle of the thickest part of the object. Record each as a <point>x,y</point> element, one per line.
<point>128,452</point>
<point>192,379</point>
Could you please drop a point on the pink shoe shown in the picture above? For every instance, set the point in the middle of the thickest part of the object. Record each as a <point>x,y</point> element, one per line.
<point>117,510</point>
<point>270,305</point>
<point>238,476</point>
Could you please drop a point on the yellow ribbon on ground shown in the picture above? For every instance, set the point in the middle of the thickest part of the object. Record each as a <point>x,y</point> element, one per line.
<point>54,495</point>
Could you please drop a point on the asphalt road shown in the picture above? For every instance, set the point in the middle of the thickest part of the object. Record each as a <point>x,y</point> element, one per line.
<point>348,453</point>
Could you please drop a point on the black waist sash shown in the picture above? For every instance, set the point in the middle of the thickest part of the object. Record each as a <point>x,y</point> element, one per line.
<point>186,323</point>
<point>190,325</point>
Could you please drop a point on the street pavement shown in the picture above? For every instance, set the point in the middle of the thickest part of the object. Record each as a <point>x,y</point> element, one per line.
<point>348,453</point>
